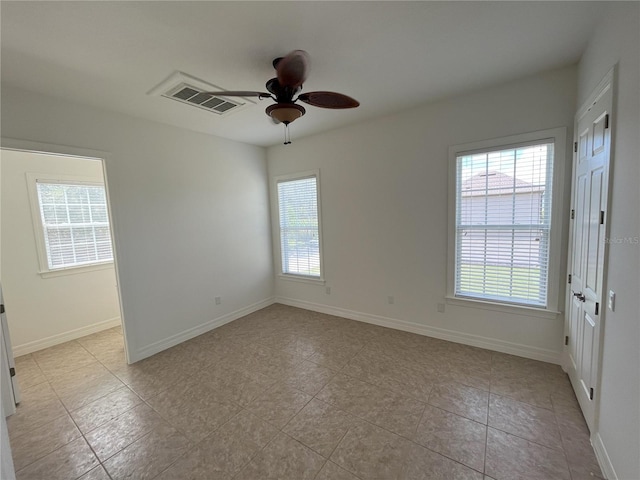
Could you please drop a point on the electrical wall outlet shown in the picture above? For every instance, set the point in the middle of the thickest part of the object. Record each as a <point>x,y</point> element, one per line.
<point>391,300</point>
<point>218,300</point>
<point>327,290</point>
<point>441,307</point>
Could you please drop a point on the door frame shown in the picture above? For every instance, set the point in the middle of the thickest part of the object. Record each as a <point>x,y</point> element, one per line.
<point>10,396</point>
<point>609,81</point>
<point>105,159</point>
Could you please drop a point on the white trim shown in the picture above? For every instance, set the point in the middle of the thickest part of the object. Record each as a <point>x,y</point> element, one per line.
<point>59,338</point>
<point>51,149</point>
<point>91,267</point>
<point>559,136</point>
<point>300,278</point>
<point>607,83</point>
<point>178,338</point>
<point>502,307</point>
<point>606,465</point>
<point>511,348</point>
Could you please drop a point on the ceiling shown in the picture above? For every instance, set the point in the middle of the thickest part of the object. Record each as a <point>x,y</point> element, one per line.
<point>388,55</point>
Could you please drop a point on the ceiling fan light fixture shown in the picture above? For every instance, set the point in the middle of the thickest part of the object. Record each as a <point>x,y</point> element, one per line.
<point>285,112</point>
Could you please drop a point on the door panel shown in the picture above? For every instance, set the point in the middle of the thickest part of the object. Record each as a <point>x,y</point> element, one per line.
<point>574,318</point>
<point>588,337</point>
<point>579,236</point>
<point>594,246</point>
<point>599,134</point>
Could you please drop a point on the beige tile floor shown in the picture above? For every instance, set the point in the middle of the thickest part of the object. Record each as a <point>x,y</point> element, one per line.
<point>286,394</point>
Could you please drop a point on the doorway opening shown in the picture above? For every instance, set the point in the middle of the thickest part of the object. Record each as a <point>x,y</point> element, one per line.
<point>58,264</point>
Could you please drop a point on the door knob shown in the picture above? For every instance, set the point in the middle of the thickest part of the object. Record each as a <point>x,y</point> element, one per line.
<point>580,296</point>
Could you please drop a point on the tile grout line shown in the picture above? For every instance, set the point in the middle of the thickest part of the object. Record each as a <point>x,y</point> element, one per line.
<point>425,405</point>
<point>564,451</point>
<point>486,434</point>
<point>403,436</point>
<point>332,452</point>
<point>196,444</point>
<point>397,390</point>
<point>48,380</point>
<point>124,385</point>
<point>100,463</point>
<point>74,439</point>
<point>235,475</point>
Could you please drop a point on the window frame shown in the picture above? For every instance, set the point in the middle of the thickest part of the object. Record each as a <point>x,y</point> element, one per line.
<point>278,234</point>
<point>45,271</point>
<point>554,296</point>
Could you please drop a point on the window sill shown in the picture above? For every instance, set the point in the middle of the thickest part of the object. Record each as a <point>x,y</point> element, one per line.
<point>301,278</point>
<point>502,307</point>
<point>76,270</point>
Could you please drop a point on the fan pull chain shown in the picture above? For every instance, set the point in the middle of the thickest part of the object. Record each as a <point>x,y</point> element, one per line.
<point>287,135</point>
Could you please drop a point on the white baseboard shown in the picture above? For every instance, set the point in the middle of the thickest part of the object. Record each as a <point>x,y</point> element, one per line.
<point>174,340</point>
<point>59,338</point>
<point>603,457</point>
<point>520,350</point>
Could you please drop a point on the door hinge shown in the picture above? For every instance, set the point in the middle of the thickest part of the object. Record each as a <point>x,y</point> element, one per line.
<point>575,147</point>
<point>573,214</point>
<point>566,340</point>
<point>12,372</point>
<point>601,217</point>
<point>606,121</point>
<point>597,308</point>
<point>569,281</point>
<point>1,309</point>
<point>591,394</point>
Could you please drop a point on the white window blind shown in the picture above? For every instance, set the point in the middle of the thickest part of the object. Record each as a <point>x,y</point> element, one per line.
<point>503,222</point>
<point>299,235</point>
<point>75,224</point>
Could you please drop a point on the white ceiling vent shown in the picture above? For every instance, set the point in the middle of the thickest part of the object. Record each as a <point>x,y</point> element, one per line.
<point>192,91</point>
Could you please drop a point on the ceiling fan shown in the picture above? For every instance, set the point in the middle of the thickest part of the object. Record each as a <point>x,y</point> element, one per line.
<point>291,73</point>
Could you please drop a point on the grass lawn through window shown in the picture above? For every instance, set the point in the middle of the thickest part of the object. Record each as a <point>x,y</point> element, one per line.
<point>501,282</point>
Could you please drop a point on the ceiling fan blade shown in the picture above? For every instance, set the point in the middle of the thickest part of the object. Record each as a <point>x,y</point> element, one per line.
<point>292,69</point>
<point>328,100</point>
<point>241,93</point>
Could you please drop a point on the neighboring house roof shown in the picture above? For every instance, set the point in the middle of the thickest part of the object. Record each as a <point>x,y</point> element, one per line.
<point>496,183</point>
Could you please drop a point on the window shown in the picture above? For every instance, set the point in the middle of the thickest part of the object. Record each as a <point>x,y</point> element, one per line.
<point>299,225</point>
<point>503,222</point>
<point>75,224</point>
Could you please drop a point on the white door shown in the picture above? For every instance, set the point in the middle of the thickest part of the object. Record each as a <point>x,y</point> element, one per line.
<point>587,249</point>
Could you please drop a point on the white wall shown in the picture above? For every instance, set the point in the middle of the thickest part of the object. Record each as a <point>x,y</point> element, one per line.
<point>190,215</point>
<point>47,311</point>
<point>384,212</point>
<point>617,40</point>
